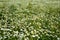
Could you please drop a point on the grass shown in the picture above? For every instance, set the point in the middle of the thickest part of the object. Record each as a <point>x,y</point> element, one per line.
<point>33,22</point>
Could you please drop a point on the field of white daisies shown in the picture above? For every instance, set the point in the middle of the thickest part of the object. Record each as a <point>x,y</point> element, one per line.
<point>29,19</point>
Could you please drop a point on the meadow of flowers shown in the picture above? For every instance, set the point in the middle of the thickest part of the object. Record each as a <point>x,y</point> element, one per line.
<point>31,22</point>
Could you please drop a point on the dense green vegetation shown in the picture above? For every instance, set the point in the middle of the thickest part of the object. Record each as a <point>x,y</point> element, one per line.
<point>30,22</point>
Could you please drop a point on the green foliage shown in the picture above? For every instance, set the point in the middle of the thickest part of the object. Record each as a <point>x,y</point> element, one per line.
<point>31,23</point>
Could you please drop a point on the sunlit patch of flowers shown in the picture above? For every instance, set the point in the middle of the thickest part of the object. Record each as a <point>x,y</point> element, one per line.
<point>30,23</point>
